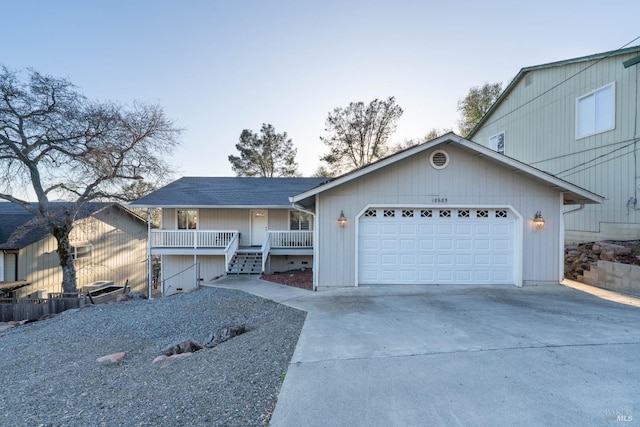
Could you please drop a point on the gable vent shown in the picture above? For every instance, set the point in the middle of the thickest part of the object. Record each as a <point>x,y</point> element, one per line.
<point>439,159</point>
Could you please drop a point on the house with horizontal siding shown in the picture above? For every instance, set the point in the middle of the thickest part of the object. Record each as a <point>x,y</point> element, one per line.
<point>109,243</point>
<point>577,120</point>
<point>211,226</point>
<point>446,212</point>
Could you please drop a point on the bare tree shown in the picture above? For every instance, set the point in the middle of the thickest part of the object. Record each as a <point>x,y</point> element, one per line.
<point>408,143</point>
<point>358,134</point>
<point>55,143</point>
<point>476,104</point>
<point>267,155</point>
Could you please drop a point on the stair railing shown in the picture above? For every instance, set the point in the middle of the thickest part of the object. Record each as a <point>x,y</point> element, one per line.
<point>266,247</point>
<point>230,249</point>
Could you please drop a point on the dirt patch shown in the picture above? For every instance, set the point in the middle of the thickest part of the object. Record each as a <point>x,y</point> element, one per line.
<point>578,258</point>
<point>297,278</point>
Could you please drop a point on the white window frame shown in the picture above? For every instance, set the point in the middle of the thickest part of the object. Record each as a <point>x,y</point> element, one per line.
<point>493,142</point>
<point>1,266</point>
<point>300,222</point>
<point>594,119</point>
<point>84,254</point>
<point>197,211</point>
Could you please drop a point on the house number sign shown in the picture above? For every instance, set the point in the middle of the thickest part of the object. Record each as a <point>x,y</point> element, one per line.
<point>439,200</point>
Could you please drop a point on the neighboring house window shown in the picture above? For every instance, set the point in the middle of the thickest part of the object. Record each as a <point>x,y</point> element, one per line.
<point>187,219</point>
<point>595,111</point>
<point>496,143</point>
<point>299,220</point>
<point>81,250</point>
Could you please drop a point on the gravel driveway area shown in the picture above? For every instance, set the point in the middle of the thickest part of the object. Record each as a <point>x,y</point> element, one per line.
<point>50,376</point>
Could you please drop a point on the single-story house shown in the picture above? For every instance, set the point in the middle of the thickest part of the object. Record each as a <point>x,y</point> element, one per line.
<point>109,243</point>
<point>448,211</point>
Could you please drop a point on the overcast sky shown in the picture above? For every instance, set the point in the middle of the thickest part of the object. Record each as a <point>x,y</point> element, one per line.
<point>218,67</point>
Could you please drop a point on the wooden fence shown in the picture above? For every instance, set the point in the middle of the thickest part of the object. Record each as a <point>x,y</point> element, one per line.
<point>17,309</point>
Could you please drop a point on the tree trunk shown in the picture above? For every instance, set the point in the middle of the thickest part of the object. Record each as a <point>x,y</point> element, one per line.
<point>65,254</point>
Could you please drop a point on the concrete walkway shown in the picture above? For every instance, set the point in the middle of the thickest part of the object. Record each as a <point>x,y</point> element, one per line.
<point>457,355</point>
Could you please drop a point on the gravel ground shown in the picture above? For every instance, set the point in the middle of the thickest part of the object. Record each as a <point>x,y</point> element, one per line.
<point>50,376</point>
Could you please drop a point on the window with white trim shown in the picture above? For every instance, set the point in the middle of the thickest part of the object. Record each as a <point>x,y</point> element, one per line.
<point>596,111</point>
<point>81,250</point>
<point>187,219</point>
<point>496,142</point>
<point>299,220</point>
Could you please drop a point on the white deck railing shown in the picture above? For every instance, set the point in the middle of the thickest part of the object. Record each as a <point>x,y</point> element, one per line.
<point>291,239</point>
<point>191,238</point>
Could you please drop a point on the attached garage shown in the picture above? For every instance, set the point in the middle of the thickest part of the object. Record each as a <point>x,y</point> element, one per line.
<point>445,212</point>
<point>437,246</point>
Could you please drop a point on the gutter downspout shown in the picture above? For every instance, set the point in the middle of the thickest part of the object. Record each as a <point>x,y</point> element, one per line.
<point>562,237</point>
<point>315,241</point>
<point>149,257</point>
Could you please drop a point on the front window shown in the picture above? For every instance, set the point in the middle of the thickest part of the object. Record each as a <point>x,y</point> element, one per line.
<point>299,220</point>
<point>595,111</point>
<point>187,219</point>
<point>496,143</point>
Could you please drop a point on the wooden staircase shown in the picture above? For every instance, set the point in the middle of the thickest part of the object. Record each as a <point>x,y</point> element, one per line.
<point>245,263</point>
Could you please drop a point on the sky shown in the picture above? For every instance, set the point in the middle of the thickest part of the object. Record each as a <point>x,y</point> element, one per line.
<point>218,67</point>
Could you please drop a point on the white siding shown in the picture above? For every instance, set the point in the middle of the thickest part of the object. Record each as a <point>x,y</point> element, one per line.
<point>540,131</point>
<point>468,180</point>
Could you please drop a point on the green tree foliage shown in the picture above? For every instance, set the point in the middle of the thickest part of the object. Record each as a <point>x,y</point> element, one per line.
<point>55,143</point>
<point>268,154</point>
<point>358,134</point>
<point>476,104</point>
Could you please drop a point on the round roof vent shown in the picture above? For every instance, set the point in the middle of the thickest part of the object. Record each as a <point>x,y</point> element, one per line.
<point>439,159</point>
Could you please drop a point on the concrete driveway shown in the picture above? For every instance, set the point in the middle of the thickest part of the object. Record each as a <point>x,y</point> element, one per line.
<point>458,355</point>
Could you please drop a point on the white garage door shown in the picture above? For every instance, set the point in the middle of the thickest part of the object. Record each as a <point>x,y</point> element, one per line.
<point>436,246</point>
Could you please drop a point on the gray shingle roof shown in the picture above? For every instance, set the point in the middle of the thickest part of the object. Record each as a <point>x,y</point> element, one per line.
<point>228,191</point>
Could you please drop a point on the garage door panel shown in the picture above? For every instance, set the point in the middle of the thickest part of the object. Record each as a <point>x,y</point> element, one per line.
<point>444,229</point>
<point>463,276</point>
<point>426,244</point>
<point>408,230</point>
<point>501,244</point>
<point>445,244</point>
<point>387,259</point>
<point>482,230</point>
<point>369,259</point>
<point>426,259</point>
<point>464,230</point>
<point>387,244</point>
<point>481,244</point>
<point>444,276</point>
<point>408,244</point>
<point>463,246</point>
<point>482,259</point>
<point>370,243</point>
<point>463,260</point>
<point>408,259</point>
<point>407,276</point>
<point>388,229</point>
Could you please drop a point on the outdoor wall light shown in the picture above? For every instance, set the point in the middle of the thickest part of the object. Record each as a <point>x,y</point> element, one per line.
<point>342,220</point>
<point>538,221</point>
